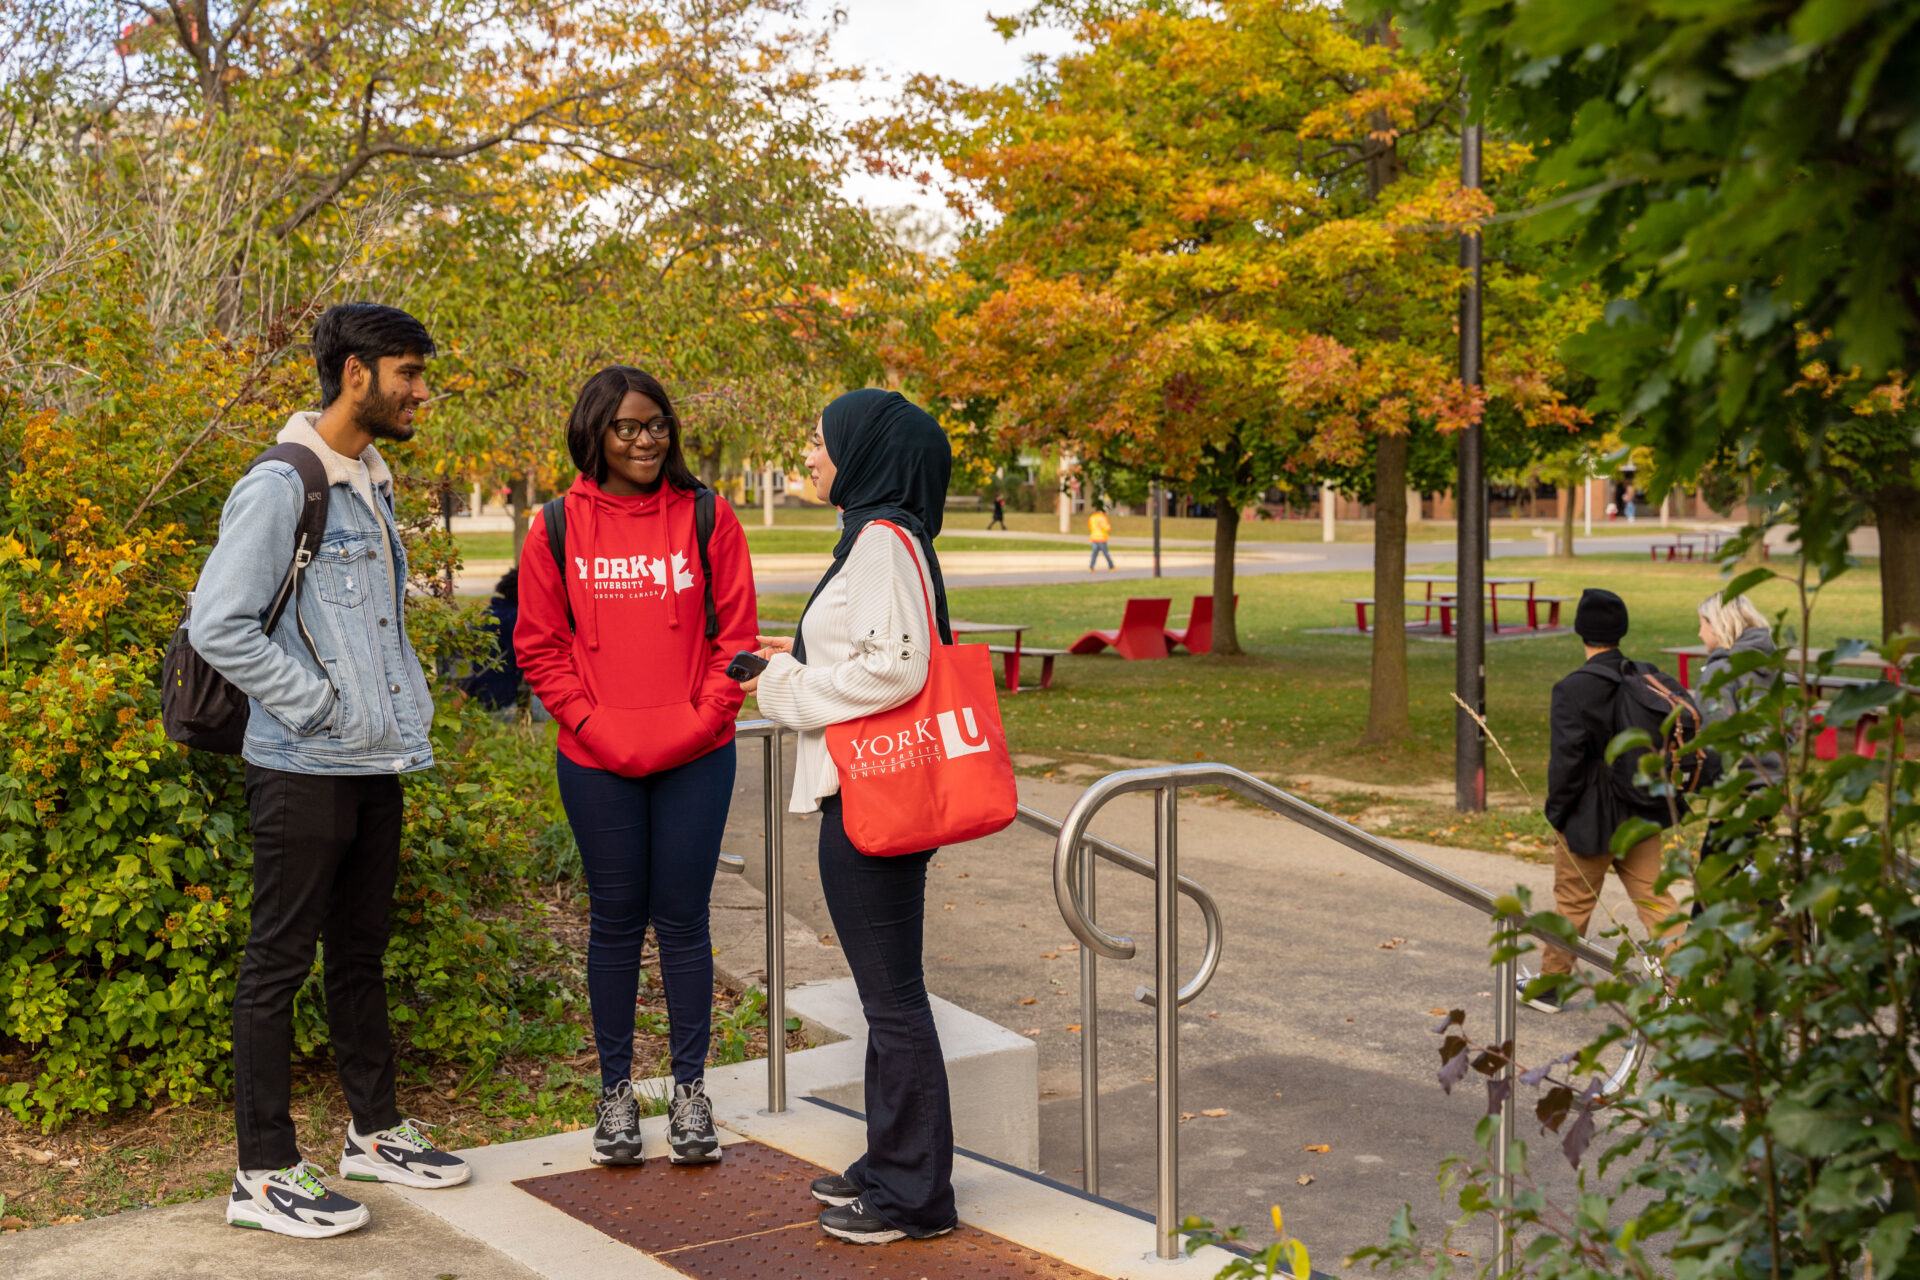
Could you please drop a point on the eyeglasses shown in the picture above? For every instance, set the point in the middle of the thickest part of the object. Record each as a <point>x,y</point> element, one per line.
<point>629,429</point>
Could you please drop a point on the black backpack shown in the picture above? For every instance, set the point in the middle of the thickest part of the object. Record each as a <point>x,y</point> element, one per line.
<point>553,514</point>
<point>200,707</point>
<point>1644,697</point>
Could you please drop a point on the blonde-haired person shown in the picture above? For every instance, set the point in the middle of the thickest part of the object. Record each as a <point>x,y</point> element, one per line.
<point>1728,627</point>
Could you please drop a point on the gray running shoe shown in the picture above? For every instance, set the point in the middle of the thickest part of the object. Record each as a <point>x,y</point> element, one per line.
<point>690,1130</point>
<point>616,1131</point>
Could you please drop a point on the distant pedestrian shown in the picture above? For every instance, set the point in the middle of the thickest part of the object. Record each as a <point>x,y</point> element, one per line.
<point>1586,802</point>
<point>999,512</point>
<point>495,682</point>
<point>1627,497</point>
<point>1099,529</point>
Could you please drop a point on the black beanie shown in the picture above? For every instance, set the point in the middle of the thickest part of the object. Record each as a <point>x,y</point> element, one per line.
<point>1601,618</point>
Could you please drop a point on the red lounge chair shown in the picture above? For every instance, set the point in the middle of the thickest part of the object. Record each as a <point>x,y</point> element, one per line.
<point>1142,633</point>
<point>1197,635</point>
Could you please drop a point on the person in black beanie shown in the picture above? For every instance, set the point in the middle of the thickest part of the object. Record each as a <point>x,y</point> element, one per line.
<point>1580,803</point>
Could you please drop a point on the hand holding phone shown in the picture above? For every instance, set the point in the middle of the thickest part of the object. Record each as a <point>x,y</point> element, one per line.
<point>745,666</point>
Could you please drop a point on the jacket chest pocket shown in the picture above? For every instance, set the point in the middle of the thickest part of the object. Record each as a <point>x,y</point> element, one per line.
<point>343,571</point>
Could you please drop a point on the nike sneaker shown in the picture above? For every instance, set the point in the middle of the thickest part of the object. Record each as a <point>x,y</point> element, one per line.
<point>293,1202</point>
<point>402,1154</point>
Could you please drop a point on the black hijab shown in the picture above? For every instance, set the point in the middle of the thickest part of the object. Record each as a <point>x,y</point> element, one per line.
<point>891,462</point>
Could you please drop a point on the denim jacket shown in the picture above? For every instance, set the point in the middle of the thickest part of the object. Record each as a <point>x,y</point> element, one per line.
<point>364,707</point>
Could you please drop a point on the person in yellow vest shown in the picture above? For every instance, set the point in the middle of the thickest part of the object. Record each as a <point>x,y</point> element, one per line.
<point>1099,529</point>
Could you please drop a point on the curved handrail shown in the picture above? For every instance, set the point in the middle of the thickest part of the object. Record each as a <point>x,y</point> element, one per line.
<point>1209,909</point>
<point>1073,832</point>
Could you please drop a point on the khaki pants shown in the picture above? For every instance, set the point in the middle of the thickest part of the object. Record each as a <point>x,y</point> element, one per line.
<point>1576,889</point>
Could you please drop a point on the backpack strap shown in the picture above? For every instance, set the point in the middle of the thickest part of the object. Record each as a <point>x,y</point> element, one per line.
<point>308,530</point>
<point>703,521</point>
<point>553,516</point>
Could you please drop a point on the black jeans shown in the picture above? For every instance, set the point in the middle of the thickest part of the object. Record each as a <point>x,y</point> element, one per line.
<point>326,853</point>
<point>879,908</point>
<point>649,847</point>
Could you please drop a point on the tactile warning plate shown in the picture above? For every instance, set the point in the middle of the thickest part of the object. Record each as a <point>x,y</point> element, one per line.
<point>751,1215</point>
<point>804,1253</point>
<point>658,1206</point>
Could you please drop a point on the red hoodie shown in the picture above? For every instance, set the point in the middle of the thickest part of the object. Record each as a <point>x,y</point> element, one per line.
<point>638,670</point>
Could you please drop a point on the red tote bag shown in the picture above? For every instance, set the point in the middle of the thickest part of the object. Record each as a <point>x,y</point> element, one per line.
<point>934,770</point>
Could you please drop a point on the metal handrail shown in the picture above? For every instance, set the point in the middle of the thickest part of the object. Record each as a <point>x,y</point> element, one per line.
<point>1072,888</point>
<point>772,775</point>
<point>1209,911</point>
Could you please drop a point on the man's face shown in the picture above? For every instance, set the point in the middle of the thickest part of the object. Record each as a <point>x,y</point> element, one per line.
<point>385,396</point>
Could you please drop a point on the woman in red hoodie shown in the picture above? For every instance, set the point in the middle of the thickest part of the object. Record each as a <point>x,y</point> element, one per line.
<point>631,660</point>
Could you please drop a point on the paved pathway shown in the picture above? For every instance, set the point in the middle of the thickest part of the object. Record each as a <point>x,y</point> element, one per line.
<point>1312,1032</point>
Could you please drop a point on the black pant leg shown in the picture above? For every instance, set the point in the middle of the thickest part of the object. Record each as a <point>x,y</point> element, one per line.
<point>302,828</point>
<point>878,907</point>
<point>358,912</point>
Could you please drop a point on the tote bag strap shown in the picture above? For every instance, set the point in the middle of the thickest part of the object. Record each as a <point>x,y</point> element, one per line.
<point>933,628</point>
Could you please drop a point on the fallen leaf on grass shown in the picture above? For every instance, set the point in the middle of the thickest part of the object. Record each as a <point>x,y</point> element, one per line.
<point>1185,1116</point>
<point>946,906</point>
<point>1049,955</point>
<point>963,875</point>
<point>40,1157</point>
<point>1459,1253</point>
<point>1391,943</point>
<point>1436,1013</point>
<point>13,1224</point>
<point>1028,1000</point>
<point>1216,1112</point>
<point>1304,1179</point>
<point>1031,1031</point>
<point>1073,1026</point>
<point>1320,1148</point>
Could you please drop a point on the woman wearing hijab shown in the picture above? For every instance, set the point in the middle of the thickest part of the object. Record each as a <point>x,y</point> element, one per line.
<point>862,647</point>
<point>623,651</point>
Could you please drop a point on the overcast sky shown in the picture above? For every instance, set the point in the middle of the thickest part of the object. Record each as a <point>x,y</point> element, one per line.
<point>896,39</point>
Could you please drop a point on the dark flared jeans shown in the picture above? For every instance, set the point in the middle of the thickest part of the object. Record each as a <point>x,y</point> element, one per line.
<point>649,847</point>
<point>878,906</point>
<point>326,854</point>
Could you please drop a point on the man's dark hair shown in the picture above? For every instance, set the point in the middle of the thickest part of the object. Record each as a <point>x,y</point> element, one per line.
<point>599,404</point>
<point>367,330</point>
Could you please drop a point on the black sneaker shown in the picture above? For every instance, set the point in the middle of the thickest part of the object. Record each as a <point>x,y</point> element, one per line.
<point>293,1202</point>
<point>616,1129</point>
<point>852,1223</point>
<point>690,1126</point>
<point>1546,1002</point>
<point>835,1189</point>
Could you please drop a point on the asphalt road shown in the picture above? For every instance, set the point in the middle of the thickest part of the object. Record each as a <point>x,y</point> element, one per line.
<point>1315,1030</point>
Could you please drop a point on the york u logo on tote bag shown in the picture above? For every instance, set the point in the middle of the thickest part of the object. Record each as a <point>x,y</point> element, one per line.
<point>934,770</point>
<point>910,748</point>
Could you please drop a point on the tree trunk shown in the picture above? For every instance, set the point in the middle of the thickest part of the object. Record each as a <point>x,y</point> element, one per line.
<point>1566,523</point>
<point>1388,718</point>
<point>1896,509</point>
<point>522,509</point>
<point>1226,533</point>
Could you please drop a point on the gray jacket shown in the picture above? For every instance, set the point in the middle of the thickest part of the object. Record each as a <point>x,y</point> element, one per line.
<point>364,707</point>
<point>1740,691</point>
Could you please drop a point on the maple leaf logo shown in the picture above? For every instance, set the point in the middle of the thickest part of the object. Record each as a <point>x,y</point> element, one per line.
<point>682,579</point>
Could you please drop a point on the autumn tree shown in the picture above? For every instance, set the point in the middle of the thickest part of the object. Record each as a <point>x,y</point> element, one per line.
<point>1738,179</point>
<point>1222,252</point>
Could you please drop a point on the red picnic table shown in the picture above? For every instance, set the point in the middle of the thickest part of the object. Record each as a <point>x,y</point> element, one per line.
<point>1447,602</point>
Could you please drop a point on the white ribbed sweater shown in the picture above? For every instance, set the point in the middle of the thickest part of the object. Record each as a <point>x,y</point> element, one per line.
<point>867,640</point>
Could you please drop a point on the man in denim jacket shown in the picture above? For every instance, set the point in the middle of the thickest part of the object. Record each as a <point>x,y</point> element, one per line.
<point>338,710</point>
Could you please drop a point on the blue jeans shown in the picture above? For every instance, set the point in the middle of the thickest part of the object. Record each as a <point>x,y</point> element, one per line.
<point>649,847</point>
<point>878,907</point>
<point>1099,549</point>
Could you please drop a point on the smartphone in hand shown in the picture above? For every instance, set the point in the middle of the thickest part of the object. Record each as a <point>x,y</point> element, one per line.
<point>745,666</point>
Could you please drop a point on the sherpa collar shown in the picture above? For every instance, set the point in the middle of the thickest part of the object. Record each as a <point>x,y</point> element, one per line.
<point>299,430</point>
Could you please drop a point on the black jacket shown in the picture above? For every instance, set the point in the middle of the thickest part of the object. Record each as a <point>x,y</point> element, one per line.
<point>1580,803</point>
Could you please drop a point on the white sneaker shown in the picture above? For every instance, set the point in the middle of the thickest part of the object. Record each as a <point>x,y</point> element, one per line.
<point>402,1154</point>
<point>293,1202</point>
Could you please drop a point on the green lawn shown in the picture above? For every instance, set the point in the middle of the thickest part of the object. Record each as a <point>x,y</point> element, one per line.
<point>1296,703</point>
<point>776,541</point>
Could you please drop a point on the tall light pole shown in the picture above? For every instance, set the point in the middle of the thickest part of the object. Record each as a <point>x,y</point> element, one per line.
<point>1470,510</point>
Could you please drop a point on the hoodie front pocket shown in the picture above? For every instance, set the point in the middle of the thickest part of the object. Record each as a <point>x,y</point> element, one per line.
<point>340,571</point>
